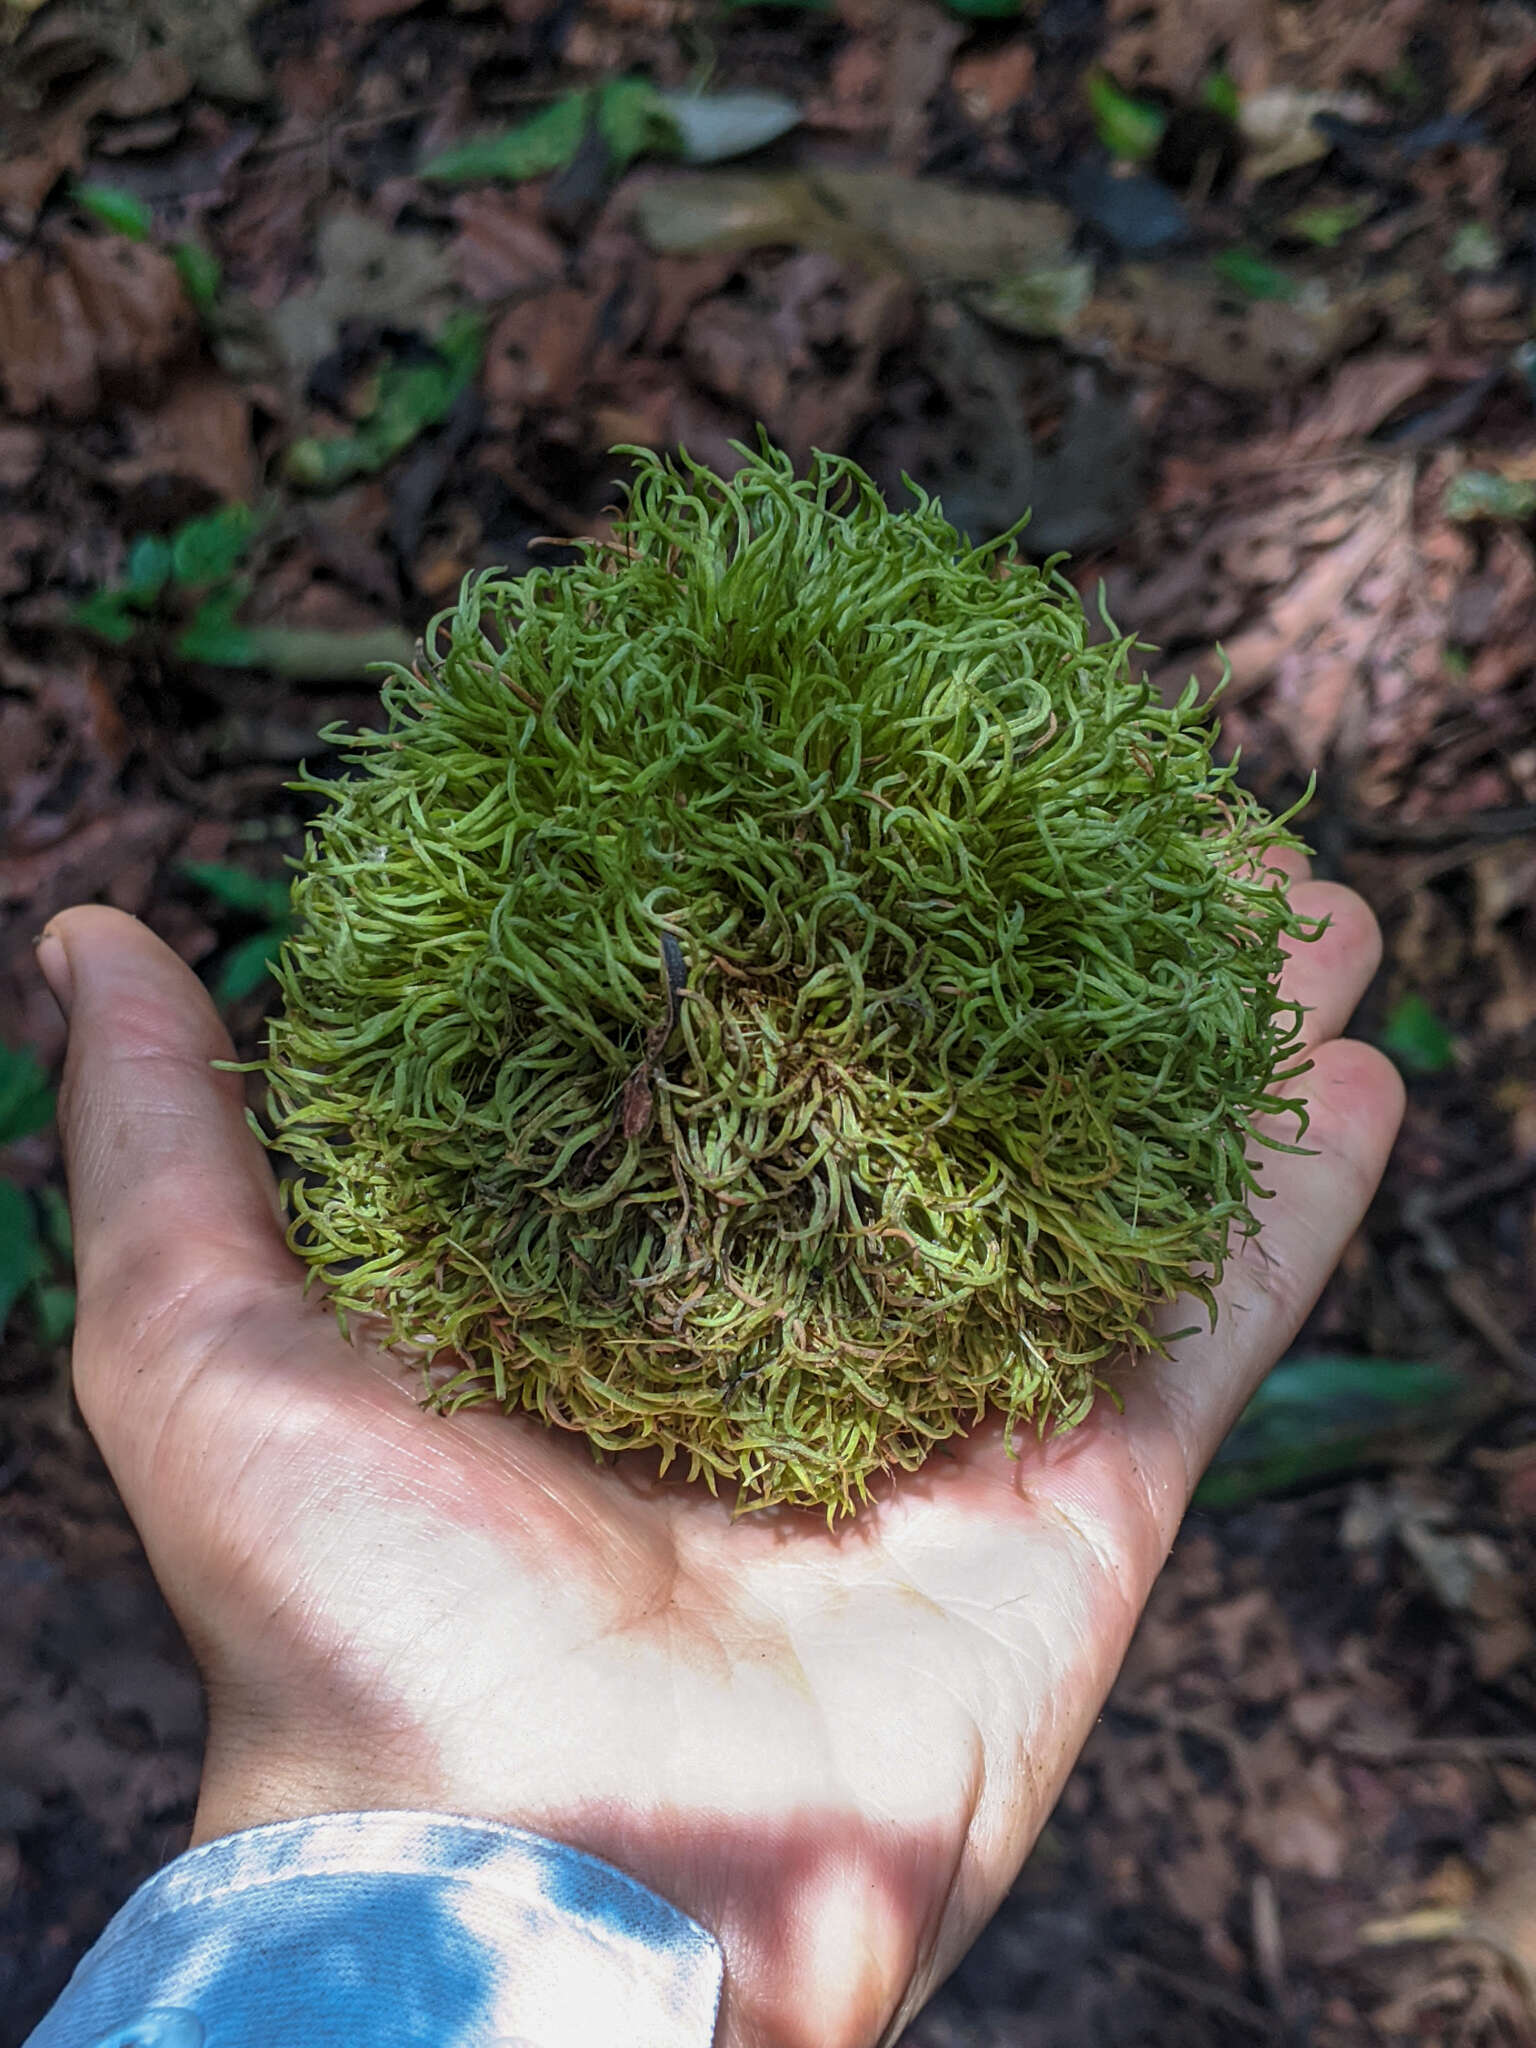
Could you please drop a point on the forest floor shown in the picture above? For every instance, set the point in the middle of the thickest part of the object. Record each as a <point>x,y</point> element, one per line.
<point>1238,296</point>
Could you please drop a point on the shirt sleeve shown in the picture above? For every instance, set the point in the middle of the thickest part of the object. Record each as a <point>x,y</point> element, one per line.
<point>388,1930</point>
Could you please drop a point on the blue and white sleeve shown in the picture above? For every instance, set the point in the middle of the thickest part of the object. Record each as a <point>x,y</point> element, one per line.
<point>389,1930</point>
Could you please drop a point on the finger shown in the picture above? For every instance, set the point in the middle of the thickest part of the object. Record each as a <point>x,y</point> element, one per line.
<point>1329,974</point>
<point>170,1191</point>
<point>1192,1398</point>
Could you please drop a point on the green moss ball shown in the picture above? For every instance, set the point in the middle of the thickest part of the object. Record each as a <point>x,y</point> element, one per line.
<point>775,989</point>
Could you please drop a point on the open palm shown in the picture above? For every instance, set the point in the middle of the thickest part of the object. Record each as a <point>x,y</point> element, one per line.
<point>832,1748</point>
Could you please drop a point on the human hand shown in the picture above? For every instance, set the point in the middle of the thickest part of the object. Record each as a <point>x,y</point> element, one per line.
<point>832,1748</point>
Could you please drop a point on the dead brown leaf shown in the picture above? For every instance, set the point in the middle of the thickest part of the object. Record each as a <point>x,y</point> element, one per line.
<point>88,314</point>
<point>201,435</point>
<point>1183,316</point>
<point>62,742</point>
<point>989,84</point>
<point>157,78</point>
<point>21,536</point>
<point>362,12</point>
<point>500,247</point>
<point>76,868</point>
<point>366,272</point>
<point>1503,1916</point>
<point>1175,44</point>
<point>922,39</point>
<point>1363,392</point>
<point>39,148</point>
<point>538,353</point>
<point>852,105</point>
<point>21,454</point>
<point>938,233</point>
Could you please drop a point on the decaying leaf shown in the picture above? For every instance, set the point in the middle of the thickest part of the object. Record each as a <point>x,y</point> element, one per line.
<point>87,314</point>
<point>1176,44</point>
<point>1319,582</point>
<point>208,39</point>
<point>367,272</point>
<point>1501,1917</point>
<point>1190,317</point>
<point>200,436</point>
<point>937,233</point>
<point>1280,126</point>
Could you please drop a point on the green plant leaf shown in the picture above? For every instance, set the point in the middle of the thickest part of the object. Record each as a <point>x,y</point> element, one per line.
<point>58,1231</point>
<point>1252,276</point>
<point>1129,128</point>
<point>146,571</point>
<point>1415,1037</point>
<point>632,117</point>
<point>545,142</point>
<point>27,1100</point>
<point>237,889</point>
<point>200,272</point>
<point>245,967</point>
<point>411,396</point>
<point>206,550</point>
<point>123,212</point>
<point>1218,91</point>
<point>635,121</point>
<point>106,613</point>
<point>53,1304</point>
<point>22,1259</point>
<point>1317,1417</point>
<point>214,635</point>
<point>1326,226</point>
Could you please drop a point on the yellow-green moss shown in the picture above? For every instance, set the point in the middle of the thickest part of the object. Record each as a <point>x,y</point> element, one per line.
<point>774,989</point>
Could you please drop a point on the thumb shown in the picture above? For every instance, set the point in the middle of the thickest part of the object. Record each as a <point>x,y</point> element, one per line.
<point>175,1212</point>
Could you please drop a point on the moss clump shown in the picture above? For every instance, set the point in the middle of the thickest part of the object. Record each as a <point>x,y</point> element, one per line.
<point>774,989</point>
